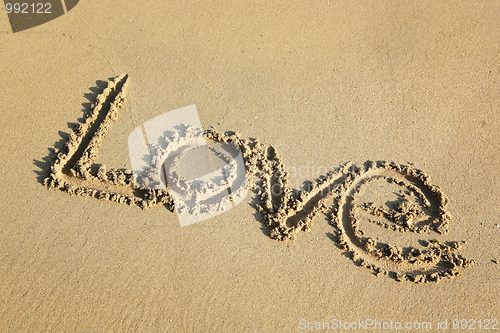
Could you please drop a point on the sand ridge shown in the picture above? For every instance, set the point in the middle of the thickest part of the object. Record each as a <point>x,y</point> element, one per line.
<point>73,170</point>
<point>285,211</point>
<point>195,192</point>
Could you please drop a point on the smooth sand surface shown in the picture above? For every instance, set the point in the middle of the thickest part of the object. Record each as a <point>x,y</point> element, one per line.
<point>325,83</point>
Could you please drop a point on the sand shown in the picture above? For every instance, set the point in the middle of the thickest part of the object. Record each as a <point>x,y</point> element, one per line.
<point>369,135</point>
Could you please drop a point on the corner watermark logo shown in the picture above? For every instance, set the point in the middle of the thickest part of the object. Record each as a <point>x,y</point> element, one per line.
<point>203,179</point>
<point>29,14</point>
<point>374,325</point>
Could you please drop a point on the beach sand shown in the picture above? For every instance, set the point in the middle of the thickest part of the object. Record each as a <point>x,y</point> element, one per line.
<point>324,83</point>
